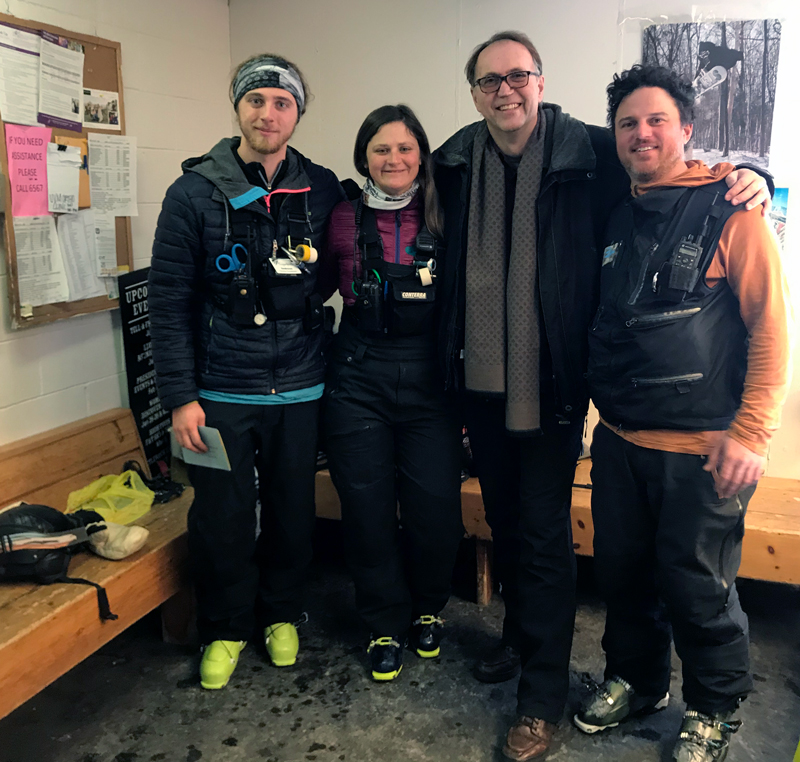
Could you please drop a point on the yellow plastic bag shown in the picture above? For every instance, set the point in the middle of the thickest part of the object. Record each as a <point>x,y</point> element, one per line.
<point>119,498</point>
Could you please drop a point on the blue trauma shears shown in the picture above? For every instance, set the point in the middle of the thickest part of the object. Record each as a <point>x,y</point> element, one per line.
<point>227,263</point>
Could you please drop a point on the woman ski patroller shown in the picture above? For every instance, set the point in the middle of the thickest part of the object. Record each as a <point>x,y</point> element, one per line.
<point>391,432</point>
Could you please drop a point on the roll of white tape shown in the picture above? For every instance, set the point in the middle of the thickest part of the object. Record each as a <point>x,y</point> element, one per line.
<point>306,253</point>
<point>425,276</point>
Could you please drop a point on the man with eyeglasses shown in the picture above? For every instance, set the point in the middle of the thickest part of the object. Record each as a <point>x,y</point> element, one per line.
<point>526,193</point>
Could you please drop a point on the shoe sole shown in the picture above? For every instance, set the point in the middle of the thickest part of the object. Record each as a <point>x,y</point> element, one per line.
<point>283,662</point>
<point>384,677</point>
<point>499,678</point>
<point>590,729</point>
<point>214,686</point>
<point>428,654</point>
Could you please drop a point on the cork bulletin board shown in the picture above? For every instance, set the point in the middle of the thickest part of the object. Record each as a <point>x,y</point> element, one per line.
<point>102,71</point>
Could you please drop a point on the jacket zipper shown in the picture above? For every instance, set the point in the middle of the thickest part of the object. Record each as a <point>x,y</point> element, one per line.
<point>662,317</point>
<point>643,273</point>
<point>397,237</point>
<point>665,380</point>
<point>725,542</point>
<point>597,317</point>
<point>284,190</point>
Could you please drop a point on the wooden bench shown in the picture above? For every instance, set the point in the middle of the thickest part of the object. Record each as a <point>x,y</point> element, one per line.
<point>45,630</point>
<point>771,548</point>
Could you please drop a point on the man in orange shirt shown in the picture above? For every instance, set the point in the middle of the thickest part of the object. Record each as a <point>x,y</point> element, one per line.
<point>689,366</point>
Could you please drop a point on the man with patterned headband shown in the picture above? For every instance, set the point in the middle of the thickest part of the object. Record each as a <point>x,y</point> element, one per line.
<point>236,323</point>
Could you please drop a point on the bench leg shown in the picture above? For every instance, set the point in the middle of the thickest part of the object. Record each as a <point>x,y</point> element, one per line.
<point>178,618</point>
<point>484,594</point>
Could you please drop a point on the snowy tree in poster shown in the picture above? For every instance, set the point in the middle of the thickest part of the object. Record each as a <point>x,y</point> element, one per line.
<point>733,65</point>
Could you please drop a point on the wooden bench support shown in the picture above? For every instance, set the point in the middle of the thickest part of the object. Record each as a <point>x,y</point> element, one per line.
<point>484,564</point>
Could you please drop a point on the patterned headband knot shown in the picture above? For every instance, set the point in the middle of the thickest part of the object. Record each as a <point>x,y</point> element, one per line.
<point>268,72</point>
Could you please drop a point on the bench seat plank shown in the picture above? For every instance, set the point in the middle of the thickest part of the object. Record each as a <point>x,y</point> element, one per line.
<point>46,630</point>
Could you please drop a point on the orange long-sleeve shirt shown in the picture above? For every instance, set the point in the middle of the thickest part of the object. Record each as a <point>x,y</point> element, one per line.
<point>747,257</point>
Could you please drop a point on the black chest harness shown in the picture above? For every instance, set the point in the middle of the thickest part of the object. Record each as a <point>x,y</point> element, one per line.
<point>666,350</point>
<point>391,298</point>
<point>272,279</point>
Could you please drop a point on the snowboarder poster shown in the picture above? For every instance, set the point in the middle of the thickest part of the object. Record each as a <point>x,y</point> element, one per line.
<point>733,66</point>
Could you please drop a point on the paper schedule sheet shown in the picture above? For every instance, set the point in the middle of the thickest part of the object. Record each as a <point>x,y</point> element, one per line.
<point>112,174</point>
<point>40,267</point>
<point>77,238</point>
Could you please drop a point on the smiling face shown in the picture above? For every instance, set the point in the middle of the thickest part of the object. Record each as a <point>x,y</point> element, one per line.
<point>510,113</point>
<point>393,158</point>
<point>650,137</point>
<point>267,118</point>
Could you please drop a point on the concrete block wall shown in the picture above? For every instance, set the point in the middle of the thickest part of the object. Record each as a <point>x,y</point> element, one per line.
<point>175,67</point>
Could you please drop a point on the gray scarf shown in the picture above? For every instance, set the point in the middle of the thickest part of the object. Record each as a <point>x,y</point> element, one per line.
<point>501,354</point>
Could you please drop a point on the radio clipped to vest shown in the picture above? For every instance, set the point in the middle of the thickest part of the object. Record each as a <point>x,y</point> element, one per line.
<point>679,275</point>
<point>392,299</point>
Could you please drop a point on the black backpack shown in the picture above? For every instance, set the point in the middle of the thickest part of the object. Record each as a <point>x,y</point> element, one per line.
<point>37,543</point>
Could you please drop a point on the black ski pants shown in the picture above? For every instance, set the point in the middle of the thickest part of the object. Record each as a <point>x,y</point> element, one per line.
<point>243,581</point>
<point>392,437</point>
<point>526,485</point>
<point>667,550</point>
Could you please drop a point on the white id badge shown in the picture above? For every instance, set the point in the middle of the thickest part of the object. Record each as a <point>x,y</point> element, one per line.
<point>285,267</point>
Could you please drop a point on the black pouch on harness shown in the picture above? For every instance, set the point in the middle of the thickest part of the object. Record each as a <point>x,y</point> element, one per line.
<point>283,296</point>
<point>36,545</point>
<point>411,307</point>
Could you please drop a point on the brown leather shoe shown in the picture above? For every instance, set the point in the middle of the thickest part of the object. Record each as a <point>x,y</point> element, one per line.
<point>528,738</point>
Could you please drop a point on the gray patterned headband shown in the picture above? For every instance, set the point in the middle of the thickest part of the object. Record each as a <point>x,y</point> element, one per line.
<point>268,72</point>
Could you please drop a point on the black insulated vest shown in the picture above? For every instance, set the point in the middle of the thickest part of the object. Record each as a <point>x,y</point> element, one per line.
<point>666,352</point>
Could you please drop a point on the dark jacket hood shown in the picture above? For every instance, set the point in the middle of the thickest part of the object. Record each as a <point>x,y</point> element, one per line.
<point>219,166</point>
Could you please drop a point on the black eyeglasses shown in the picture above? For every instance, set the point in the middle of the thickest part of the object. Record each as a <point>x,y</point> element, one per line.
<point>491,82</point>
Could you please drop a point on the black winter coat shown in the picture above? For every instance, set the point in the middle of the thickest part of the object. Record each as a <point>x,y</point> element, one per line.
<point>582,182</point>
<point>196,345</point>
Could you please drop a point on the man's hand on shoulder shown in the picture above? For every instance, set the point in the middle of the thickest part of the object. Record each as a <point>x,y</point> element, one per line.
<point>185,422</point>
<point>734,466</point>
<point>748,188</point>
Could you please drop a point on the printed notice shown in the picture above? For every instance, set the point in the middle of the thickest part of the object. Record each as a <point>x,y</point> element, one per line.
<point>101,109</point>
<point>19,75</point>
<point>76,238</point>
<point>84,196</point>
<point>112,174</point>
<point>40,269</point>
<point>105,242</point>
<point>27,169</point>
<point>63,177</point>
<point>60,84</point>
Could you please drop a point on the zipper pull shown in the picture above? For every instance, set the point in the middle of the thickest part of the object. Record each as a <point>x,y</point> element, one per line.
<point>631,322</point>
<point>274,248</point>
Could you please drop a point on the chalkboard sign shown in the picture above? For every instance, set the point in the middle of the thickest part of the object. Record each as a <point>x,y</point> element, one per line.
<point>151,419</point>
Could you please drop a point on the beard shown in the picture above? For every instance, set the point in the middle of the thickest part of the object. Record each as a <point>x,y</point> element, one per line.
<point>265,146</point>
<point>643,177</point>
